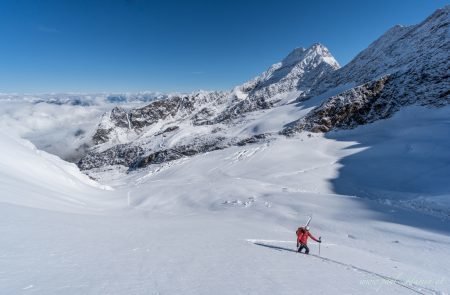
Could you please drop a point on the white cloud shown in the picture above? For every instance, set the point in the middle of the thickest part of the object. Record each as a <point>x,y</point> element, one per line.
<point>62,124</point>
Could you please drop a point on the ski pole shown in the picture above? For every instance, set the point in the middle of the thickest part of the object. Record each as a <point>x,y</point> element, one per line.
<point>320,239</point>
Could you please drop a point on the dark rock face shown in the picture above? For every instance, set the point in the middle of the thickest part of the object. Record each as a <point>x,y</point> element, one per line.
<point>150,114</point>
<point>198,146</point>
<point>138,155</point>
<point>180,108</point>
<point>139,118</point>
<point>254,139</point>
<point>120,117</point>
<point>134,157</point>
<point>375,100</point>
<point>242,107</point>
<point>167,130</point>
<point>207,116</point>
<point>157,158</point>
<point>101,135</point>
<point>355,107</point>
<point>124,154</point>
<point>203,117</point>
<point>160,110</point>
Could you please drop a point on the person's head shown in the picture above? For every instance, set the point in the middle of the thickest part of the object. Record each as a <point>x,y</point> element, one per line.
<point>307,227</point>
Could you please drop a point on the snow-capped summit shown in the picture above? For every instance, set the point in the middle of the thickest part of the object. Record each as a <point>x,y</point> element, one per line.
<point>400,50</point>
<point>294,56</point>
<point>319,50</point>
<point>405,66</point>
<point>298,71</point>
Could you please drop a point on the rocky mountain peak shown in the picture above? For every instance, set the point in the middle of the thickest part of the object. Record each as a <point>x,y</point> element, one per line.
<point>294,56</point>
<point>298,71</point>
<point>439,15</point>
<point>411,62</point>
<point>317,50</point>
<point>318,53</point>
<point>402,49</point>
<point>301,57</point>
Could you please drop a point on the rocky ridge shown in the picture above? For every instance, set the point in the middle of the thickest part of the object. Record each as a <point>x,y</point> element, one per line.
<point>152,134</point>
<point>406,66</point>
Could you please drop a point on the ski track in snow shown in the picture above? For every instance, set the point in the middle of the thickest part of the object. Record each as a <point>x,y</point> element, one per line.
<point>413,287</point>
<point>305,170</point>
<point>152,171</point>
<point>281,241</point>
<point>245,154</point>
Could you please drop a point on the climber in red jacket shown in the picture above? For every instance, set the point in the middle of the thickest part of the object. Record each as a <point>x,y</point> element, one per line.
<point>302,239</point>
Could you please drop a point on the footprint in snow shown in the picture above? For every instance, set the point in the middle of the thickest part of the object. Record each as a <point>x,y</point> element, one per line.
<point>245,204</point>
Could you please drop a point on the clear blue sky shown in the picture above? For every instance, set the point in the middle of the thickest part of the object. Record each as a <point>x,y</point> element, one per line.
<point>136,45</point>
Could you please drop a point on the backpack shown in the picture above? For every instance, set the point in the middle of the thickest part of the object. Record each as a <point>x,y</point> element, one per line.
<point>300,230</point>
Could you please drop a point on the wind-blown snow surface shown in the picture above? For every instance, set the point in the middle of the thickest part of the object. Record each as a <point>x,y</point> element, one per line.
<point>222,222</point>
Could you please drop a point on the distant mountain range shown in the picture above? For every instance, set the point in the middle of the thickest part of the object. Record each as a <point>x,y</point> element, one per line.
<point>306,91</point>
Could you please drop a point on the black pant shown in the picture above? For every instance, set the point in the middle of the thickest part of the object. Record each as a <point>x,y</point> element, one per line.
<point>305,247</point>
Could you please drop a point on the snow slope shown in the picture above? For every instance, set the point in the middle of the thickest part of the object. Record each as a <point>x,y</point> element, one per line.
<point>222,222</point>
<point>31,177</point>
<point>405,161</point>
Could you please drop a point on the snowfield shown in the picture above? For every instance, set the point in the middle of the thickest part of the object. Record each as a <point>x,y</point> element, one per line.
<point>221,222</point>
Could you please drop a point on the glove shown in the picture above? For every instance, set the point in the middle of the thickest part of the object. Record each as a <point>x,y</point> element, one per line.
<point>320,239</point>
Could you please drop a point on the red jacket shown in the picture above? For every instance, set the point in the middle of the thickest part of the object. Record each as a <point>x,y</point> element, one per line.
<point>303,235</point>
